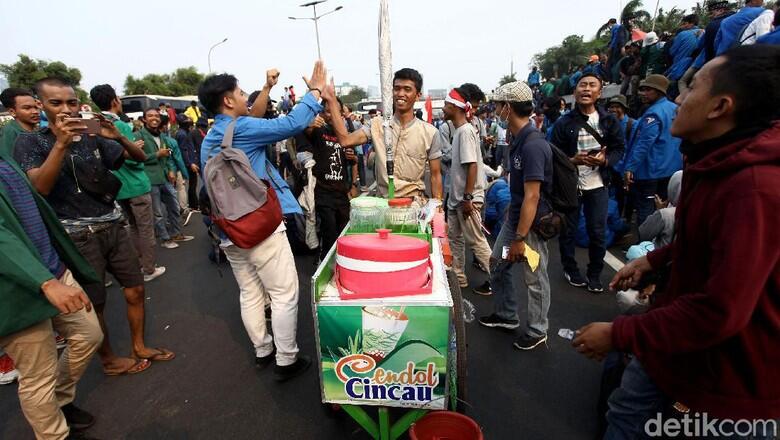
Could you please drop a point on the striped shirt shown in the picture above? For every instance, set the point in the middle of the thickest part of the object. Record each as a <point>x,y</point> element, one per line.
<point>29,216</point>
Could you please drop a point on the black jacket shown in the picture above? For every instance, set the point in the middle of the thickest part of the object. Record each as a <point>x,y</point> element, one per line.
<point>566,131</point>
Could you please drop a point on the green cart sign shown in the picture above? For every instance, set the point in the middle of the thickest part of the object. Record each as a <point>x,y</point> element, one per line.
<point>384,355</point>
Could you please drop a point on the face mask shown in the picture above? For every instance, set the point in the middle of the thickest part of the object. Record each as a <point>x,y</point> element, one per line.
<point>502,122</point>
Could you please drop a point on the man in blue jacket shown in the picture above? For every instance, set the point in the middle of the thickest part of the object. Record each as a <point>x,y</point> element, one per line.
<point>731,28</point>
<point>682,49</point>
<point>653,154</point>
<point>534,78</point>
<point>266,271</point>
<point>592,155</point>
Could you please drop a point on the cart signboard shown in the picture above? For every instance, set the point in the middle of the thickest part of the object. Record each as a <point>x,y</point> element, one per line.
<point>385,355</point>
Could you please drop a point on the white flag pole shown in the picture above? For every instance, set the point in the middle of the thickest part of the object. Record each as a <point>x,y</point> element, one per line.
<point>386,81</point>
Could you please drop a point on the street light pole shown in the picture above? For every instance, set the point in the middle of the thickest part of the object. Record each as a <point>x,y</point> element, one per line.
<point>212,48</point>
<point>315,18</point>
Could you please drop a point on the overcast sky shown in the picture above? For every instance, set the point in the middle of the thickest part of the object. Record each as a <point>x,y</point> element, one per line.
<point>449,42</point>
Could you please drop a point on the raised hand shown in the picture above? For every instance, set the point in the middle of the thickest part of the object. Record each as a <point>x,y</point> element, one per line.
<point>271,78</point>
<point>318,78</point>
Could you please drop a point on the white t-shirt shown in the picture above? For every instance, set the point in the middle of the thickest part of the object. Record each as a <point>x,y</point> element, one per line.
<point>590,178</point>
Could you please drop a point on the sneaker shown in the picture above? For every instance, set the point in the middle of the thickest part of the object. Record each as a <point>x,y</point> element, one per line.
<point>181,237</point>
<point>264,361</point>
<point>170,244</point>
<point>158,270</point>
<point>8,373</point>
<point>594,285</point>
<point>484,289</point>
<point>108,284</point>
<point>494,321</point>
<point>287,372</point>
<point>187,216</point>
<point>77,418</point>
<point>60,341</point>
<point>575,279</point>
<point>528,342</point>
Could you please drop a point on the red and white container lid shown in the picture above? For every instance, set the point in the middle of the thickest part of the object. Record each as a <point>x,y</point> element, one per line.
<point>382,265</point>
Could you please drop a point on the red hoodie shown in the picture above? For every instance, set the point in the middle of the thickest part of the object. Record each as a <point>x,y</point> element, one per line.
<point>712,341</point>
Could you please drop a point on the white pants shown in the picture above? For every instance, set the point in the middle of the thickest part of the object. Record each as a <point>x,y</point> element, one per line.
<point>267,272</point>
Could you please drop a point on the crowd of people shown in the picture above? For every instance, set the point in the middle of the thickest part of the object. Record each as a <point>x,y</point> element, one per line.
<point>696,173</point>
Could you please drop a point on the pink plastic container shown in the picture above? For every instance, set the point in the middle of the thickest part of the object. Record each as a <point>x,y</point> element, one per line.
<point>382,265</point>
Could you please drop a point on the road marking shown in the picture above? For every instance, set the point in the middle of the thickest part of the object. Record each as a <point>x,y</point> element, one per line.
<point>613,262</point>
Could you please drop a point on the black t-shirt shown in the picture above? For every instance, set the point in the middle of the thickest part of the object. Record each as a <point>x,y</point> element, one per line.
<point>331,169</point>
<point>67,197</point>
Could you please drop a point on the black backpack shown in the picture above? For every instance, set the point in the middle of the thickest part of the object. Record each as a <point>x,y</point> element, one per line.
<point>563,195</point>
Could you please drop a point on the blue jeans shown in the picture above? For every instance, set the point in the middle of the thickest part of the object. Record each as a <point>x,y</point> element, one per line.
<point>636,402</point>
<point>594,204</point>
<point>537,283</point>
<point>643,195</point>
<point>165,205</point>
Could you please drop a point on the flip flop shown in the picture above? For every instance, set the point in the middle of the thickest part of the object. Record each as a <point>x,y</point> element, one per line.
<point>138,367</point>
<point>162,355</point>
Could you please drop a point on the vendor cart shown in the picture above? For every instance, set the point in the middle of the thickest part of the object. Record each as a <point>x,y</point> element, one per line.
<point>404,352</point>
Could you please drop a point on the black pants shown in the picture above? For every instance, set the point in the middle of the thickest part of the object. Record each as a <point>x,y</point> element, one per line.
<point>332,210</point>
<point>192,191</point>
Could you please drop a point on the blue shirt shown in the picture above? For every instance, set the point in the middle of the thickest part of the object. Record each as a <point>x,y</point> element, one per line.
<point>681,50</point>
<point>653,153</point>
<point>30,218</point>
<point>732,27</point>
<point>529,160</point>
<point>770,38</point>
<point>534,78</point>
<point>616,41</point>
<point>253,135</point>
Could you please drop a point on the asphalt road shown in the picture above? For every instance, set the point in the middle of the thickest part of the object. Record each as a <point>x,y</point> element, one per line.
<point>212,390</point>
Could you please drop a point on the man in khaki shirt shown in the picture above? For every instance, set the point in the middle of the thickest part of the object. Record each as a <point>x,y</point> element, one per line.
<point>415,142</point>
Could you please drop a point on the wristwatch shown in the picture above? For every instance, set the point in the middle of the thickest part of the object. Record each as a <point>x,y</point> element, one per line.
<point>468,197</point>
<point>519,237</point>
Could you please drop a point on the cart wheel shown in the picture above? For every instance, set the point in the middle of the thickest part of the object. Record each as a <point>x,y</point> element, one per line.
<point>460,343</point>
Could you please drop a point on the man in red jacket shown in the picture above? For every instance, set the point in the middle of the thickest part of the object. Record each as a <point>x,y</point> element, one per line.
<point>711,342</point>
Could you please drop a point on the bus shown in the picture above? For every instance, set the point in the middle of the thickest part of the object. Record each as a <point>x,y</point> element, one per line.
<point>134,105</point>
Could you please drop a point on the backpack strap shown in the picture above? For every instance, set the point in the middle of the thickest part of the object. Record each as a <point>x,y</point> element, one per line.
<point>593,132</point>
<point>227,139</point>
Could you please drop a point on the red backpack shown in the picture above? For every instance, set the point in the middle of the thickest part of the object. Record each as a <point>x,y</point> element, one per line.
<point>245,207</point>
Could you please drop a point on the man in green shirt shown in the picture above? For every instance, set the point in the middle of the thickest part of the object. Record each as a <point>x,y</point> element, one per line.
<point>41,272</point>
<point>24,109</point>
<point>160,167</point>
<point>135,195</point>
<point>652,56</point>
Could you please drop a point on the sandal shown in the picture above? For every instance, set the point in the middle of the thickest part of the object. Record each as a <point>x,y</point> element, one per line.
<point>162,355</point>
<point>138,367</point>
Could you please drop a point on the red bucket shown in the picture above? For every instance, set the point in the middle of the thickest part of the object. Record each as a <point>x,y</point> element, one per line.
<point>445,425</point>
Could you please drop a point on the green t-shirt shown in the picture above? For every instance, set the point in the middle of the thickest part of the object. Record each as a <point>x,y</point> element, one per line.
<point>134,180</point>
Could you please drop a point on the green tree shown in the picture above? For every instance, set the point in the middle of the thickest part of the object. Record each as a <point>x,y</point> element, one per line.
<point>26,71</point>
<point>355,95</point>
<point>183,81</point>
<point>506,79</point>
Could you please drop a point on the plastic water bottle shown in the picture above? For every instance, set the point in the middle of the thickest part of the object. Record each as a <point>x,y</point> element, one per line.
<point>468,311</point>
<point>566,333</point>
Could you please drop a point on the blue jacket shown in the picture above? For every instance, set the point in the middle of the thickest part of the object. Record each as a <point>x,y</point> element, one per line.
<point>252,135</point>
<point>617,40</point>
<point>534,78</point>
<point>575,78</point>
<point>683,46</point>
<point>624,124</point>
<point>732,27</point>
<point>770,38</point>
<point>653,153</point>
